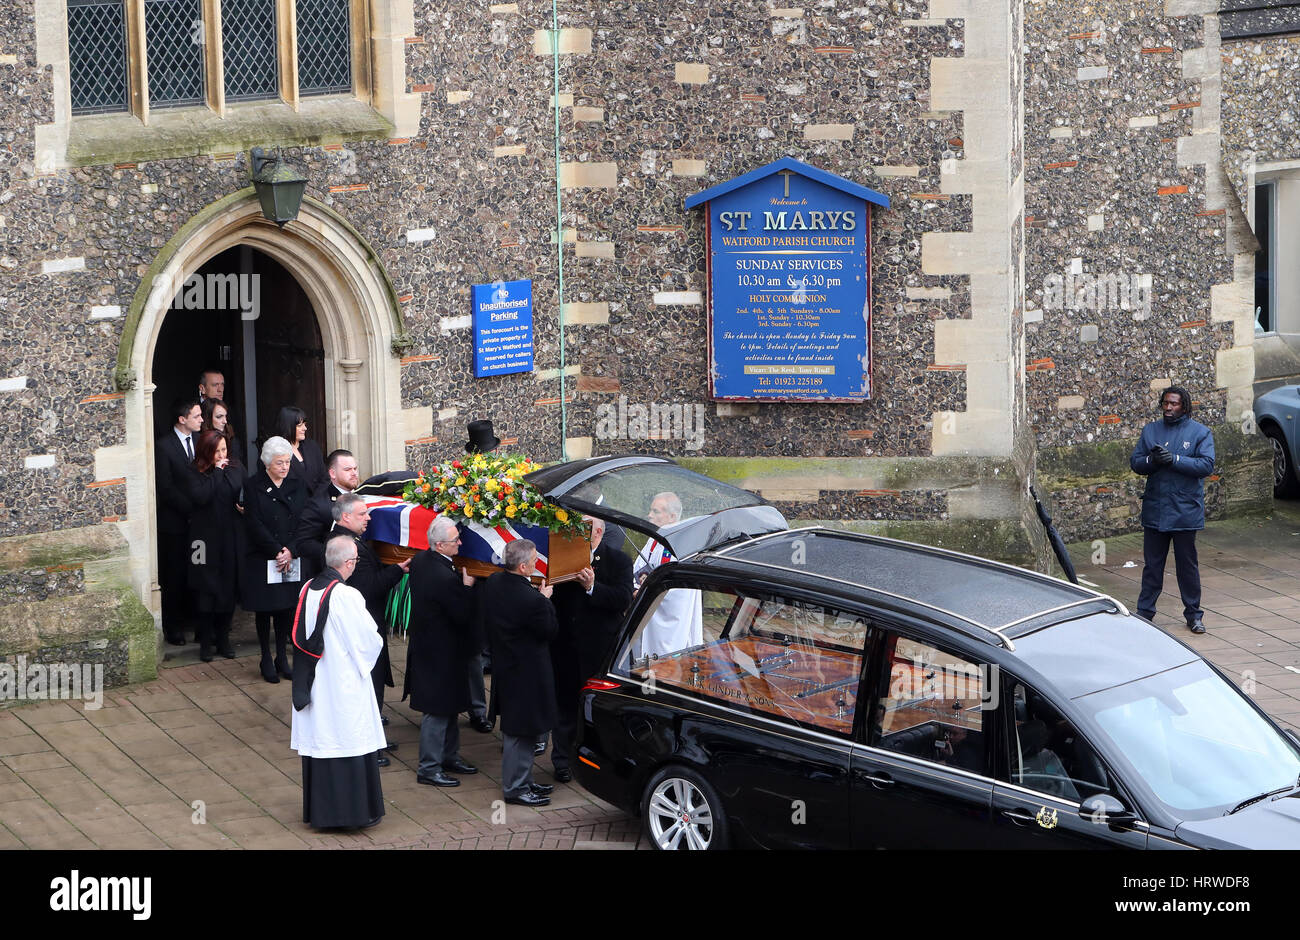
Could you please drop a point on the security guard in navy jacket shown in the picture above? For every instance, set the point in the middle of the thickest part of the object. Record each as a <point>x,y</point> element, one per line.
<point>1175,454</point>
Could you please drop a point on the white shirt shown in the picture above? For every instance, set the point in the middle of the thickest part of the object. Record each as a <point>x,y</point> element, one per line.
<point>676,623</point>
<point>343,717</point>
<point>187,451</point>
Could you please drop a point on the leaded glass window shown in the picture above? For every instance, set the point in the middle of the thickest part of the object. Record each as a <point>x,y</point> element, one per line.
<point>324,49</point>
<point>97,55</point>
<point>249,49</point>
<point>173,32</point>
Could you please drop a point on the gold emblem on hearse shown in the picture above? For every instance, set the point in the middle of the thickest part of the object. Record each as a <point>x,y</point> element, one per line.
<point>1046,818</point>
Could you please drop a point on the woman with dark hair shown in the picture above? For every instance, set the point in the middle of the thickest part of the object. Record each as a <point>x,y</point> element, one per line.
<point>273,502</point>
<point>216,417</point>
<point>213,484</point>
<point>308,464</point>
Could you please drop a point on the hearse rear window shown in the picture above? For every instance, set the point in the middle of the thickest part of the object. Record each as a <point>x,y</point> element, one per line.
<point>777,657</point>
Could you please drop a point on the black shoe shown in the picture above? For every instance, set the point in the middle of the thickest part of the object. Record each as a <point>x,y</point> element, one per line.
<point>205,653</point>
<point>480,724</point>
<point>1196,625</point>
<point>541,789</point>
<point>458,766</point>
<point>539,748</point>
<point>389,746</point>
<point>437,780</point>
<point>384,761</point>
<point>227,651</point>
<point>268,670</point>
<point>175,639</point>
<point>1147,615</point>
<point>383,719</point>
<point>563,776</point>
<point>529,798</point>
<point>282,667</point>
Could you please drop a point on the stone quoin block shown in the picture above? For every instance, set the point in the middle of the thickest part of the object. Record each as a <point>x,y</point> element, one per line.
<point>691,73</point>
<point>586,313</point>
<point>573,41</point>
<point>828,132</point>
<point>602,175</point>
<point>690,168</point>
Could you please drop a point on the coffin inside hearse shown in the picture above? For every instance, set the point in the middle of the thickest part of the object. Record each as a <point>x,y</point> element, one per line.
<point>802,662</point>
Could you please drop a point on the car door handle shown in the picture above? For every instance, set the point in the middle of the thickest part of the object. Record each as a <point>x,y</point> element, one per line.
<point>880,780</point>
<point>1021,817</point>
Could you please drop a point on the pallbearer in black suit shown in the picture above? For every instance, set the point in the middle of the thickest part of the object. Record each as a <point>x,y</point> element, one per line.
<point>214,485</point>
<point>443,635</point>
<point>173,455</point>
<point>590,611</point>
<point>318,517</point>
<point>521,624</point>
<point>374,580</point>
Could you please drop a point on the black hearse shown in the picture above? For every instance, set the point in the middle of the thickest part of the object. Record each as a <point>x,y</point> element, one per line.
<point>818,688</point>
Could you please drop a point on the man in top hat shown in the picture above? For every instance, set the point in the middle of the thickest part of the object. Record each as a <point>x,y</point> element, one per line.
<point>482,440</point>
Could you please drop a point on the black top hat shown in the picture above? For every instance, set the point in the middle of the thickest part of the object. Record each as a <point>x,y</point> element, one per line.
<point>481,438</point>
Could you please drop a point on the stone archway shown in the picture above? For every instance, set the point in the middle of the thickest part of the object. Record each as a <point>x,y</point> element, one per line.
<point>361,328</point>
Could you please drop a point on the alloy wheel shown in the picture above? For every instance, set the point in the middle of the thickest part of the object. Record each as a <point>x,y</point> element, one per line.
<point>680,816</point>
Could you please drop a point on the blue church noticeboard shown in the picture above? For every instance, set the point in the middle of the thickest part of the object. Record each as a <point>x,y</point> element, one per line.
<point>503,327</point>
<point>789,261</point>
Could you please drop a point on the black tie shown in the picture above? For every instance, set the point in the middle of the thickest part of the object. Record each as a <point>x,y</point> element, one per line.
<point>189,450</point>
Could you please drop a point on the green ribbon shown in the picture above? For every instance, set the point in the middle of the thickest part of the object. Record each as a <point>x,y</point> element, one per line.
<point>397,612</point>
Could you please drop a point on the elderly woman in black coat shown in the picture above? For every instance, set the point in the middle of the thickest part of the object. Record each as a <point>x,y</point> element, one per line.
<point>213,488</point>
<point>273,502</point>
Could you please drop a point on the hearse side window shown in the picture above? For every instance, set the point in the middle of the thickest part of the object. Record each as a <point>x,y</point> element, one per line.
<point>1047,754</point>
<point>776,657</point>
<point>930,705</point>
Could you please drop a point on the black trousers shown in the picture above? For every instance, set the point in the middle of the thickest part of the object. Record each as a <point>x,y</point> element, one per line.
<point>174,595</point>
<point>1155,549</point>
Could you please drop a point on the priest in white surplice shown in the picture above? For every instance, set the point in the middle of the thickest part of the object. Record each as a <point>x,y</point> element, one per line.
<point>675,624</point>
<point>339,732</point>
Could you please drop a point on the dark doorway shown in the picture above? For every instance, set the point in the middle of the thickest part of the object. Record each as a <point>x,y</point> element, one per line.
<point>245,314</point>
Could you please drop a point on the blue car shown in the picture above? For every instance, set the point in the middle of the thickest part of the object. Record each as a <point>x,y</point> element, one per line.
<point>1276,415</point>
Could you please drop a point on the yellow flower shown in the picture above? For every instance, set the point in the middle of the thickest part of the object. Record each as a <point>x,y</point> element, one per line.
<point>510,511</point>
<point>460,481</point>
<point>561,516</point>
<point>469,511</point>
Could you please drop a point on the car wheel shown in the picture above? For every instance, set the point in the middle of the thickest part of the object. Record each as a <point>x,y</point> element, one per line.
<point>1284,478</point>
<point>682,811</point>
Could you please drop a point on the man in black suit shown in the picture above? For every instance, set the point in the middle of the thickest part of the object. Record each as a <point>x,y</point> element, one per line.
<point>442,631</point>
<point>590,611</point>
<point>212,384</point>
<point>374,580</point>
<point>318,516</point>
<point>521,624</point>
<point>173,456</point>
